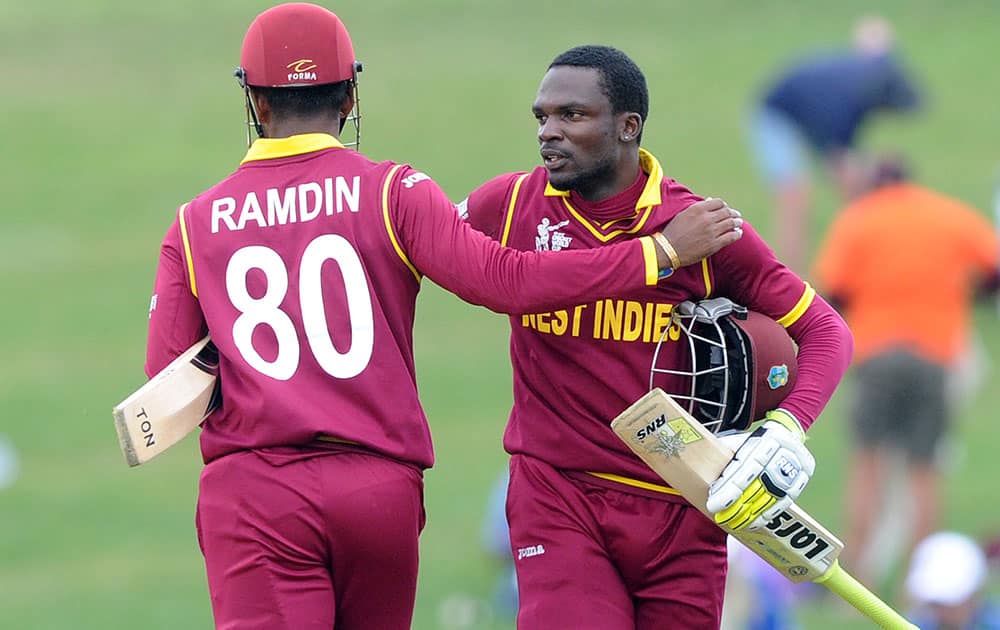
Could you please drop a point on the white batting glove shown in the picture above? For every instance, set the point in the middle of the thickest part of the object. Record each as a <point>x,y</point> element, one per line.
<point>768,472</point>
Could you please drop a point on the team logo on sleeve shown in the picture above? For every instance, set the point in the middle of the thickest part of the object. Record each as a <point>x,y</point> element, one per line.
<point>550,238</point>
<point>777,376</point>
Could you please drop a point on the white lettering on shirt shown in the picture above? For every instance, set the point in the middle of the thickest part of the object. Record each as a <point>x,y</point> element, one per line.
<point>530,551</point>
<point>222,210</point>
<point>280,211</point>
<point>295,204</point>
<point>411,180</point>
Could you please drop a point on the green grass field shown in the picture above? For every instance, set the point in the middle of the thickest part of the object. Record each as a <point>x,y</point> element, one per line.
<point>114,113</point>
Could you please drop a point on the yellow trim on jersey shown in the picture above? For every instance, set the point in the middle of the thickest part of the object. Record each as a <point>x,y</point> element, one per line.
<point>607,225</point>
<point>187,248</point>
<point>707,277</point>
<point>649,256</point>
<point>800,307</point>
<point>651,196</point>
<point>270,148</point>
<point>388,223</point>
<point>636,483</point>
<point>651,193</point>
<point>604,238</point>
<point>552,191</point>
<point>510,208</point>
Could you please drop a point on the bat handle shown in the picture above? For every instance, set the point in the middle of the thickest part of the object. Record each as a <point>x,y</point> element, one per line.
<point>854,593</point>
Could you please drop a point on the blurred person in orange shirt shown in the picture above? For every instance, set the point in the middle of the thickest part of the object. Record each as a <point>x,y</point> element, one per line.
<point>903,264</point>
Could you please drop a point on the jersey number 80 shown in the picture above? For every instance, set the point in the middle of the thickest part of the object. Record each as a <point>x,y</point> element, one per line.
<point>266,310</point>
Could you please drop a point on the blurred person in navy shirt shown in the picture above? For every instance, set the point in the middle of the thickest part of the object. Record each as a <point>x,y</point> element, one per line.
<point>815,109</point>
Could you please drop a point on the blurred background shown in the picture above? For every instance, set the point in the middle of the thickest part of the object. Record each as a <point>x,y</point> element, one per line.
<point>113,113</point>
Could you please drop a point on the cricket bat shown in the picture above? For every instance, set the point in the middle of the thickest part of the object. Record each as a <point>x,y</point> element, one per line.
<point>689,457</point>
<point>170,405</point>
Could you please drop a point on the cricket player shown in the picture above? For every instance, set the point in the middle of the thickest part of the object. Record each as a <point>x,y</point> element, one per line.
<point>598,540</point>
<point>303,266</point>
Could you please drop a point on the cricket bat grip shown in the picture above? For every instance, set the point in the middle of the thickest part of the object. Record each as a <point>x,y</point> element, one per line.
<point>868,604</point>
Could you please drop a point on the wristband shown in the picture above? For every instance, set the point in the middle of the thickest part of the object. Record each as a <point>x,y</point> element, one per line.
<point>668,249</point>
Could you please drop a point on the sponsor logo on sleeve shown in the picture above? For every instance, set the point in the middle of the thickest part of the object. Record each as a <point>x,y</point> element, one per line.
<point>530,551</point>
<point>413,179</point>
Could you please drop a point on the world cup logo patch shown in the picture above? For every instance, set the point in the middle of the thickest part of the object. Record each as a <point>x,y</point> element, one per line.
<point>777,376</point>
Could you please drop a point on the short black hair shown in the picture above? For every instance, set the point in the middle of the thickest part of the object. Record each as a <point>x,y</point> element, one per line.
<point>293,102</point>
<point>621,79</point>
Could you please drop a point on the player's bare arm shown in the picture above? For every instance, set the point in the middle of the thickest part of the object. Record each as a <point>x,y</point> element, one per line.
<point>699,231</point>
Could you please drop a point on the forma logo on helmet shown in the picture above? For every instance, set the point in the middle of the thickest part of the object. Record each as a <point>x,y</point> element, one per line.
<point>297,45</point>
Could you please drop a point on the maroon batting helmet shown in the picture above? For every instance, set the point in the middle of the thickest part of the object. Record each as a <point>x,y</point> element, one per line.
<point>741,364</point>
<point>297,45</point>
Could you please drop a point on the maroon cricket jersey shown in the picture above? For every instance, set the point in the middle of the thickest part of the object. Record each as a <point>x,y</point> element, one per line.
<point>577,367</point>
<point>304,266</point>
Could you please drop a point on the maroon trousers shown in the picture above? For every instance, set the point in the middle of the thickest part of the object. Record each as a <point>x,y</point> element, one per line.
<point>597,555</point>
<point>304,538</point>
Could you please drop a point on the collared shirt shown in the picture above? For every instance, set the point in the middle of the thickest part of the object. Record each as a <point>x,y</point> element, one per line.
<point>578,366</point>
<point>304,266</point>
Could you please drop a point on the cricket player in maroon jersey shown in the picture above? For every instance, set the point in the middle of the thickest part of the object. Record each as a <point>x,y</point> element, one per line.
<point>303,266</point>
<point>599,541</point>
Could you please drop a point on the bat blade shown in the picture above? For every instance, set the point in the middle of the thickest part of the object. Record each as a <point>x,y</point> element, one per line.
<point>170,405</point>
<point>689,457</point>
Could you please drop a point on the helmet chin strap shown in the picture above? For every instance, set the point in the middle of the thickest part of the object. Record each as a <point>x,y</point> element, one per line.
<point>355,116</point>
<point>252,121</point>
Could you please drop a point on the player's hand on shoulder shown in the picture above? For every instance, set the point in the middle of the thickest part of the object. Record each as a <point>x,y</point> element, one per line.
<point>702,229</point>
<point>769,470</point>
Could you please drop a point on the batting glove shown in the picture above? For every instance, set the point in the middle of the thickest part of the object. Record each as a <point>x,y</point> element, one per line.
<point>768,472</point>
